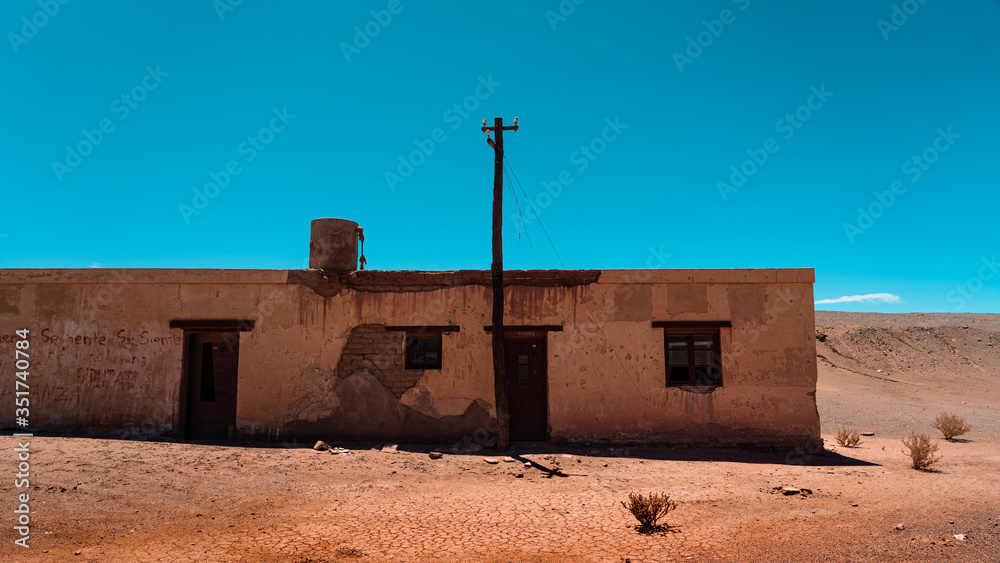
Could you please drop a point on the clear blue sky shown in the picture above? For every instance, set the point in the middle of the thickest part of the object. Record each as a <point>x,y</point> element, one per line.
<point>314,118</point>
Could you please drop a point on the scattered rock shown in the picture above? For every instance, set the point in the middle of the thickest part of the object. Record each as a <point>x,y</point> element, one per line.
<point>321,446</point>
<point>389,449</point>
<point>959,537</point>
<point>527,465</point>
<point>867,433</point>
<point>435,455</point>
<point>339,451</point>
<point>509,459</point>
<point>519,475</point>
<point>491,460</point>
<point>790,491</point>
<point>900,526</point>
<point>854,504</point>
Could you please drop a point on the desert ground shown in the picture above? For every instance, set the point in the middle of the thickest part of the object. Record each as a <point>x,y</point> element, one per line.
<point>113,499</point>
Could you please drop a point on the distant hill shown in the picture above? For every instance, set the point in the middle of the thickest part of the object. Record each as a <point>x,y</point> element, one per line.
<point>895,372</point>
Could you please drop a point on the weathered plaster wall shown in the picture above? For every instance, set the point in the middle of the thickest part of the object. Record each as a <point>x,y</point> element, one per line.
<point>607,379</point>
<point>103,358</point>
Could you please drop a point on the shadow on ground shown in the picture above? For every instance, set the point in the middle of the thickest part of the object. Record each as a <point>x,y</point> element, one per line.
<point>821,458</point>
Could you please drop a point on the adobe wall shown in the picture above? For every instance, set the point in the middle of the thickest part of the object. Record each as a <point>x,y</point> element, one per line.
<point>319,362</point>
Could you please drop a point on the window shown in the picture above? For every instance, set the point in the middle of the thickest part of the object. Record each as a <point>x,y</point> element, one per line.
<point>422,346</point>
<point>423,350</point>
<point>692,353</point>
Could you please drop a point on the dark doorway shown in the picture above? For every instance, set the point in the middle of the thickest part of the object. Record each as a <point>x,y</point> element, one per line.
<point>211,384</point>
<point>527,377</point>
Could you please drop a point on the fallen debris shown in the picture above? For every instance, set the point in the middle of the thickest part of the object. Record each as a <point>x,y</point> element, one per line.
<point>789,491</point>
<point>339,451</point>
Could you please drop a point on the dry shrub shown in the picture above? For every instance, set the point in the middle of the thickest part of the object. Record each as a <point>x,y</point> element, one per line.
<point>921,450</point>
<point>848,437</point>
<point>649,510</point>
<point>951,425</point>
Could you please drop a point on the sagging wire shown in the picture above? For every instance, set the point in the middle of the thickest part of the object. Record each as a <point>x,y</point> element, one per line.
<point>589,310</point>
<point>521,218</point>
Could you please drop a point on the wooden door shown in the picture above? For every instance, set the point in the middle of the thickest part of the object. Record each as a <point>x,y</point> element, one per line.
<point>527,391</point>
<point>212,360</point>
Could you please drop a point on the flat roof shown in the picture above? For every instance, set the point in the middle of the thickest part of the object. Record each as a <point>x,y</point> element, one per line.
<point>386,278</point>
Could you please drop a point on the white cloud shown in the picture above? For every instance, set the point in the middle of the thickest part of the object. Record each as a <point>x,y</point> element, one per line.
<point>96,265</point>
<point>882,297</point>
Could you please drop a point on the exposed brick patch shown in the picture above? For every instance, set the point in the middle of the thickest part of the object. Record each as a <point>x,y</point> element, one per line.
<point>373,348</point>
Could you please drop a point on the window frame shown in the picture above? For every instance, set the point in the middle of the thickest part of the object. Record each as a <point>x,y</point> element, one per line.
<point>422,333</point>
<point>691,330</point>
<point>408,350</point>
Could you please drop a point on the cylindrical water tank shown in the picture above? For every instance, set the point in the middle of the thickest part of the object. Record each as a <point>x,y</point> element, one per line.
<point>333,245</point>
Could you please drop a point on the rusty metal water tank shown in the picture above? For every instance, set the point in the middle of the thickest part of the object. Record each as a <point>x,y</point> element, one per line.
<point>333,245</point>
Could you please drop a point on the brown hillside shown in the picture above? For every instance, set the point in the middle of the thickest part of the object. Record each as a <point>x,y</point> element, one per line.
<point>894,373</point>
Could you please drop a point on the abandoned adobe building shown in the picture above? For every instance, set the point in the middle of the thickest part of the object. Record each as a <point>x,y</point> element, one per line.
<point>660,356</point>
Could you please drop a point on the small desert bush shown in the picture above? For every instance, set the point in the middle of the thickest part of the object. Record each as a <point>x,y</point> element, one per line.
<point>649,509</point>
<point>951,425</point>
<point>921,450</point>
<point>848,437</point>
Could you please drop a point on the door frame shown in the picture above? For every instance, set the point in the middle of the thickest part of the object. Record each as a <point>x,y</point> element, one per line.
<point>199,326</point>
<point>541,332</point>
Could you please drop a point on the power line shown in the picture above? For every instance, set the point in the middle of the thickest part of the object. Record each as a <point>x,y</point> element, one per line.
<point>521,223</point>
<point>526,198</point>
<point>589,310</point>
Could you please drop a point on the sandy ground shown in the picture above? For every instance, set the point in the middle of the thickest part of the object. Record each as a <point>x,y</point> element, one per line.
<point>98,499</point>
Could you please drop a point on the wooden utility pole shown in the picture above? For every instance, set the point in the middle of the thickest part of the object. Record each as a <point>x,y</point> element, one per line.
<point>499,370</point>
